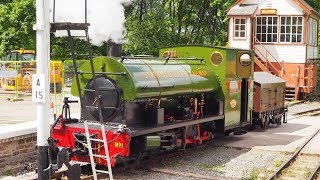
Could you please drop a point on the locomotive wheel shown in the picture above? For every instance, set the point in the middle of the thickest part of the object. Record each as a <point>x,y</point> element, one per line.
<point>279,121</point>
<point>264,123</point>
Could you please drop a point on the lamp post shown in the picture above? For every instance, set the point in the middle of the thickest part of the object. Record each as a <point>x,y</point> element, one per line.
<point>41,87</point>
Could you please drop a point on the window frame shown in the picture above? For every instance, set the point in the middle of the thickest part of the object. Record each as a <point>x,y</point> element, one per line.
<point>239,30</point>
<point>291,29</point>
<point>279,25</point>
<point>313,35</point>
<point>267,25</point>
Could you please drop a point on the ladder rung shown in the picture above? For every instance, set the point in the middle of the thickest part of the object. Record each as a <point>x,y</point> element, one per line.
<point>101,171</point>
<point>91,90</point>
<point>101,107</point>
<point>81,54</point>
<point>103,89</point>
<point>79,36</point>
<point>94,123</point>
<point>98,140</point>
<point>108,89</point>
<point>104,73</point>
<point>99,156</point>
<point>69,26</point>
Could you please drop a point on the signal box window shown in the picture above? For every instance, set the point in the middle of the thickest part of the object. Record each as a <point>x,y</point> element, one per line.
<point>291,29</point>
<point>267,29</point>
<point>313,32</point>
<point>239,28</point>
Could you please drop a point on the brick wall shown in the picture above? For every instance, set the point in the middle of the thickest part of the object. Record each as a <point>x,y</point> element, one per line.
<point>18,154</point>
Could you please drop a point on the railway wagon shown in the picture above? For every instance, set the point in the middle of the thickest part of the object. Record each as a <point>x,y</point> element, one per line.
<point>179,99</point>
<point>268,99</point>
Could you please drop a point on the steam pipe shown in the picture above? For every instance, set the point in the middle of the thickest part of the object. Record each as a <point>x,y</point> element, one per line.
<point>86,11</point>
<point>54,12</point>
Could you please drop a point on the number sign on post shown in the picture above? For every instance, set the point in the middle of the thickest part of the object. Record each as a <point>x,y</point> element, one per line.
<point>38,88</point>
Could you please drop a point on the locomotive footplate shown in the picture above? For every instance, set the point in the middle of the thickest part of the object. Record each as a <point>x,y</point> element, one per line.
<point>137,130</point>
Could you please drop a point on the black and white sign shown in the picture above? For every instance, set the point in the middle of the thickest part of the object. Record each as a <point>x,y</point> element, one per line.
<point>38,88</point>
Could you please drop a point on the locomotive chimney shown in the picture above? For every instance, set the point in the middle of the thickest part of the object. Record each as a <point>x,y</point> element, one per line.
<point>114,49</point>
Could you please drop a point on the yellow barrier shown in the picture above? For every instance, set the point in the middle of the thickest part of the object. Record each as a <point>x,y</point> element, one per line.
<point>16,84</point>
<point>16,80</point>
<point>15,77</point>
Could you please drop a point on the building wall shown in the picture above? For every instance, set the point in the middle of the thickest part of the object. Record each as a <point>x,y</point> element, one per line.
<point>17,154</point>
<point>240,43</point>
<point>285,53</point>
<point>284,7</point>
<point>291,53</point>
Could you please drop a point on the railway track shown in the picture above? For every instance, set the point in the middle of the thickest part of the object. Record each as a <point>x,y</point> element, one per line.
<point>147,164</point>
<point>312,112</point>
<point>299,166</point>
<point>305,166</point>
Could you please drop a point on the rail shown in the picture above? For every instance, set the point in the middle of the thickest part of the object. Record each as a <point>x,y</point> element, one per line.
<point>292,158</point>
<point>268,63</point>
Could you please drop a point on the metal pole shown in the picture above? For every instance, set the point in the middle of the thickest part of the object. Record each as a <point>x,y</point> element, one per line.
<point>43,102</point>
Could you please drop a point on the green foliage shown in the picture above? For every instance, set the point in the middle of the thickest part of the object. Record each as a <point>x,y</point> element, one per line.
<point>307,173</point>
<point>315,4</point>
<point>252,175</point>
<point>278,163</point>
<point>153,23</point>
<point>60,48</point>
<point>68,64</point>
<point>16,20</point>
<point>7,172</point>
<point>150,24</point>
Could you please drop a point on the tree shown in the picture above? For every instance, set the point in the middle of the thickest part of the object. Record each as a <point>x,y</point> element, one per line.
<point>155,23</point>
<point>16,21</point>
<point>315,4</point>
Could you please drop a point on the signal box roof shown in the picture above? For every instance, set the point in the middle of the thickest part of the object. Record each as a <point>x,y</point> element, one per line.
<point>242,10</point>
<point>266,78</point>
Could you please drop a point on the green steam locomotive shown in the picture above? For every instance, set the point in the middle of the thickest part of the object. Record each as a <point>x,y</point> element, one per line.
<point>181,98</point>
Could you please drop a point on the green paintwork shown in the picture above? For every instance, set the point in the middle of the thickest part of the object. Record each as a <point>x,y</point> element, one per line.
<point>153,78</point>
<point>153,142</point>
<point>226,72</point>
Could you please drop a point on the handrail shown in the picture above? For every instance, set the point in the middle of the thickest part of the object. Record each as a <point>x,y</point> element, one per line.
<point>266,57</point>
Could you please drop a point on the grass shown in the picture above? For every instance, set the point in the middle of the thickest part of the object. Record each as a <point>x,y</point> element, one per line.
<point>217,168</point>
<point>210,167</point>
<point>7,172</point>
<point>205,166</point>
<point>278,163</point>
<point>307,173</point>
<point>291,173</point>
<point>252,175</point>
<point>284,171</point>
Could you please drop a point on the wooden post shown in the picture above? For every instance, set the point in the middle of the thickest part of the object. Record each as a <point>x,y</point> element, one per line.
<point>312,83</point>
<point>282,69</point>
<point>297,84</point>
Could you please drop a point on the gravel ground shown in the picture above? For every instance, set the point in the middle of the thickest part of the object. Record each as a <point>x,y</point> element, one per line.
<point>206,160</point>
<point>211,161</point>
<point>303,107</point>
<point>214,161</point>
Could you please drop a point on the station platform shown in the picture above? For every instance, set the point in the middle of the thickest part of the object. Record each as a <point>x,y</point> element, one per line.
<point>20,117</point>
